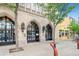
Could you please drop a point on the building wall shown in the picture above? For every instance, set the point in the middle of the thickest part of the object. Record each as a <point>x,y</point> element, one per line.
<point>24,17</point>
<point>63,26</point>
<point>5,11</point>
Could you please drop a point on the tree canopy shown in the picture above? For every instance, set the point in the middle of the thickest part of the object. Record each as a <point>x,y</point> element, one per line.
<point>74,26</point>
<point>57,11</point>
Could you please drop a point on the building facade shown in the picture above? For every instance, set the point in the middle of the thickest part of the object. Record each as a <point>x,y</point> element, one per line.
<point>62,30</point>
<point>37,27</point>
<point>32,26</point>
<point>6,26</point>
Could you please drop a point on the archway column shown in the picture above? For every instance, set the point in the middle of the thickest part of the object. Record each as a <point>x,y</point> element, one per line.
<point>21,35</point>
<point>42,34</point>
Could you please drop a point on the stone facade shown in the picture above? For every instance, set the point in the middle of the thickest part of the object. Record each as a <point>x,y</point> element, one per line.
<point>6,11</point>
<point>27,17</point>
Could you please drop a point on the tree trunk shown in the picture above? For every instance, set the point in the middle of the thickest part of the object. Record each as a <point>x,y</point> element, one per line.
<point>73,36</point>
<point>54,32</point>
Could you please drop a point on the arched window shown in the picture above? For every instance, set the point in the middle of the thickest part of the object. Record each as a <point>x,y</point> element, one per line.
<point>48,32</point>
<point>6,31</point>
<point>32,32</point>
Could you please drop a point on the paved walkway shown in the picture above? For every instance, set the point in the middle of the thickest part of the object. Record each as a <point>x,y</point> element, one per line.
<point>66,48</point>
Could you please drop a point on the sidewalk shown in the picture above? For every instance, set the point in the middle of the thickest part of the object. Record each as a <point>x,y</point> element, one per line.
<point>32,49</point>
<point>66,48</point>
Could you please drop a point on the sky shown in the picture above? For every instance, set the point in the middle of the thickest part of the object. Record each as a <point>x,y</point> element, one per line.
<point>75,13</point>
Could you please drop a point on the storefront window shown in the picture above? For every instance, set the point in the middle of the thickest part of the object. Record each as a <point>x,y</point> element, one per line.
<point>32,32</point>
<point>61,33</point>
<point>66,32</point>
<point>6,31</point>
<point>48,33</point>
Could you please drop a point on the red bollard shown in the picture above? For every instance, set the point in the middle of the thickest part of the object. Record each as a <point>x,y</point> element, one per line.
<point>53,45</point>
<point>55,52</point>
<point>77,44</point>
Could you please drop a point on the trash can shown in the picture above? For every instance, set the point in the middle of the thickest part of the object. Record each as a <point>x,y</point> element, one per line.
<point>77,40</point>
<point>77,43</point>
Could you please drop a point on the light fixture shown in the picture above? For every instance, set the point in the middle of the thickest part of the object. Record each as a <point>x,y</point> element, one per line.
<point>43,29</point>
<point>22,27</point>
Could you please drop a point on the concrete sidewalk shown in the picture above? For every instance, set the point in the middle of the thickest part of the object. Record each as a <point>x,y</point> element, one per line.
<point>66,48</point>
<point>32,49</point>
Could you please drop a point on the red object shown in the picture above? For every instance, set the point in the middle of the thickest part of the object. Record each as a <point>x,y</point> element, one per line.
<point>78,44</point>
<point>55,52</point>
<point>53,45</point>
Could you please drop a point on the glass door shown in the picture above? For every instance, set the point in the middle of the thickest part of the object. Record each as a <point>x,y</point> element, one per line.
<point>32,32</point>
<point>48,32</point>
<point>6,31</point>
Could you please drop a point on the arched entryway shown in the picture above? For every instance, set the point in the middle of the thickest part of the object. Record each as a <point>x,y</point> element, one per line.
<point>48,32</point>
<point>32,32</point>
<point>7,35</point>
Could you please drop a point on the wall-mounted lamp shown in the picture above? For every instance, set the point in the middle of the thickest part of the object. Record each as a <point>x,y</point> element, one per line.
<point>22,27</point>
<point>43,29</point>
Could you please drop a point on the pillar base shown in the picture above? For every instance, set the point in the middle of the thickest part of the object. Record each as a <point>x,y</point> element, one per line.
<point>15,49</point>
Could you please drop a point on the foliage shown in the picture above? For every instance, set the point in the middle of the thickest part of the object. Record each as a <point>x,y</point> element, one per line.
<point>57,11</point>
<point>12,6</point>
<point>74,27</point>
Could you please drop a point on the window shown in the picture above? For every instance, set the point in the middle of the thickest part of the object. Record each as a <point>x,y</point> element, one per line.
<point>37,8</point>
<point>6,31</point>
<point>66,32</point>
<point>28,5</point>
<point>32,32</point>
<point>40,9</point>
<point>48,33</point>
<point>61,33</point>
<point>22,4</point>
<point>33,7</point>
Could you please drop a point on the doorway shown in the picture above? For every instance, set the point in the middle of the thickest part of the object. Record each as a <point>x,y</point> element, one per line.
<point>32,32</point>
<point>7,35</point>
<point>48,33</point>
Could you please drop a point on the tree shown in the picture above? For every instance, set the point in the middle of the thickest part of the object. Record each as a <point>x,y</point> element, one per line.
<point>74,27</point>
<point>14,8</point>
<point>56,12</point>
